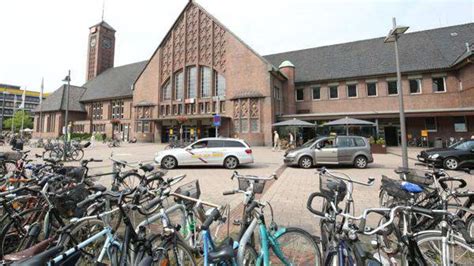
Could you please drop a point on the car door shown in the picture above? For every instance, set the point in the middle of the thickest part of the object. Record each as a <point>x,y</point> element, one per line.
<point>215,152</point>
<point>197,153</point>
<point>326,151</point>
<point>345,149</point>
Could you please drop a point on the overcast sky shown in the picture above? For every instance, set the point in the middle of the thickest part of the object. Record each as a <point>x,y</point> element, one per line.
<point>46,38</point>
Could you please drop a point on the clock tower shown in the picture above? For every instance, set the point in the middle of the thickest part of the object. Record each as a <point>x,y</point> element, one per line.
<point>101,48</point>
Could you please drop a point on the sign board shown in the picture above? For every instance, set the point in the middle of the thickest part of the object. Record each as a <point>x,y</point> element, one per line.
<point>424,133</point>
<point>191,131</point>
<point>216,120</point>
<point>171,131</point>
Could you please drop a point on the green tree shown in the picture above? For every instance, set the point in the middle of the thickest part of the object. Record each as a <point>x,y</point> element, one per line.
<point>16,121</point>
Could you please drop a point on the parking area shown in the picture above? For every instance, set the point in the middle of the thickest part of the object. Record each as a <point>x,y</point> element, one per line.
<point>287,195</point>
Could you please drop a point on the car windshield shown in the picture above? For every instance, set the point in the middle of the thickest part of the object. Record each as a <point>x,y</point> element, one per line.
<point>308,143</point>
<point>465,146</point>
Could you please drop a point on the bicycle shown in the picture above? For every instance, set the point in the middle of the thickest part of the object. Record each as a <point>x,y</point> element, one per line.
<point>272,238</point>
<point>340,244</point>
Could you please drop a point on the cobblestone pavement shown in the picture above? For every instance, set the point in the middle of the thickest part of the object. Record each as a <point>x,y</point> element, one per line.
<point>287,195</point>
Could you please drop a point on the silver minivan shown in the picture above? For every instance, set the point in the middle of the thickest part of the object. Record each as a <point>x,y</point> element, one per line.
<point>340,150</point>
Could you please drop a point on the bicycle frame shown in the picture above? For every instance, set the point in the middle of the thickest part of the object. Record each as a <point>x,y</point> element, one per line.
<point>110,240</point>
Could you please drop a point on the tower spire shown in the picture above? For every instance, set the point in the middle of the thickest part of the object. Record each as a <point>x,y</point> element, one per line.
<point>103,9</point>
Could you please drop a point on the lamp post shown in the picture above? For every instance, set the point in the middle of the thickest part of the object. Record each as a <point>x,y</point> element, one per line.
<point>393,36</point>
<point>66,121</point>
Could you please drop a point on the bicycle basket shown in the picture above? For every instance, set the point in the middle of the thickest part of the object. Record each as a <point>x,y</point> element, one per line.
<point>191,190</point>
<point>258,185</point>
<point>73,172</point>
<point>66,202</point>
<point>419,177</point>
<point>394,189</point>
<point>329,185</point>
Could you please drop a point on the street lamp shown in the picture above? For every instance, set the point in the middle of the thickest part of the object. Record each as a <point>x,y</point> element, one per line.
<point>393,36</point>
<point>66,122</point>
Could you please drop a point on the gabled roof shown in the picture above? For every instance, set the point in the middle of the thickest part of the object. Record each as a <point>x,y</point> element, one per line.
<point>103,24</point>
<point>57,100</point>
<point>113,83</point>
<point>428,50</point>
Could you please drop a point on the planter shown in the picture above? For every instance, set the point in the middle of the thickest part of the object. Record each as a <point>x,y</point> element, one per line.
<point>378,148</point>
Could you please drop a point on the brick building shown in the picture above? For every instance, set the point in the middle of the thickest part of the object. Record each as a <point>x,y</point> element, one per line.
<point>201,68</point>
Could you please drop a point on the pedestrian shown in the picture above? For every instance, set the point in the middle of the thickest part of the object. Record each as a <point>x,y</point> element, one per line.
<point>92,140</point>
<point>276,141</point>
<point>291,139</point>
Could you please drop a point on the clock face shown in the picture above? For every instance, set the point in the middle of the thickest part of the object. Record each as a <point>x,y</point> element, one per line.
<point>107,43</point>
<point>93,42</point>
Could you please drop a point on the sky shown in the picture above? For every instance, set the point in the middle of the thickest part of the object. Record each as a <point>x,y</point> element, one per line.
<point>44,39</point>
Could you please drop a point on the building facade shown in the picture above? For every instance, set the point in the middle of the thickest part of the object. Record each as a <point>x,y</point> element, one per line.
<point>201,69</point>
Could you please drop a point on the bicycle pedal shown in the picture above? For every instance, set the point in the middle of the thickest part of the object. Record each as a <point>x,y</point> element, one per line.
<point>237,222</point>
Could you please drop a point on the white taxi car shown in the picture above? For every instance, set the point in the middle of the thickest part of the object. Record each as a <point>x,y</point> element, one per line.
<point>208,151</point>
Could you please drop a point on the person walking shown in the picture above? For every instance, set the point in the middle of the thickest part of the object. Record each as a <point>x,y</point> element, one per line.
<point>276,141</point>
<point>92,141</point>
<point>291,139</point>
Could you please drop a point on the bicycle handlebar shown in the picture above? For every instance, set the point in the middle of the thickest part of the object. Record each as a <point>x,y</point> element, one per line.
<point>253,177</point>
<point>347,178</point>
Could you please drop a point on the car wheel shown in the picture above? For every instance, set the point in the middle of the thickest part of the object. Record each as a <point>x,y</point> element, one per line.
<point>451,163</point>
<point>231,162</point>
<point>169,162</point>
<point>360,162</point>
<point>305,162</point>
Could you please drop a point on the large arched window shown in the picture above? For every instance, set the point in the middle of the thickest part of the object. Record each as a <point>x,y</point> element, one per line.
<point>206,82</point>
<point>179,85</point>
<point>192,82</point>
<point>220,84</point>
<point>166,91</point>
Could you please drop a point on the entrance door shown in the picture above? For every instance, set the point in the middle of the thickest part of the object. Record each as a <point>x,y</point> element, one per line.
<point>391,136</point>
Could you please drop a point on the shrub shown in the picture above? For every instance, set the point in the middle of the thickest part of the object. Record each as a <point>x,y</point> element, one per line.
<point>81,136</point>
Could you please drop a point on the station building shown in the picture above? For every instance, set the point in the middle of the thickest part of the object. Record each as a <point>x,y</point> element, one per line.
<point>201,68</point>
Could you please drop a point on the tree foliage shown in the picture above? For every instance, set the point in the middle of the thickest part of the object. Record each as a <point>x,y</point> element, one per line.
<point>16,121</point>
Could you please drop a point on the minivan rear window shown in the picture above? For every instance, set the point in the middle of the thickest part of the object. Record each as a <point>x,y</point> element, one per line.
<point>359,142</point>
<point>233,144</point>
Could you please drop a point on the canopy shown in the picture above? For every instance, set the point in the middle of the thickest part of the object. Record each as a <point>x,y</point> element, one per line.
<point>347,121</point>
<point>293,123</point>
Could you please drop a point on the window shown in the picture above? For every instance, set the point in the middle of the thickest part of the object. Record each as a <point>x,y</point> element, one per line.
<point>316,93</point>
<point>142,127</point>
<point>179,86</point>
<point>254,125</point>
<point>371,89</point>
<point>233,144</point>
<point>214,144</point>
<point>392,87</point>
<point>343,142</point>
<point>430,124</point>
<point>333,93</point>
<point>465,146</point>
<point>97,111</point>
<point>415,86</point>
<point>166,91</point>
<point>352,91</point>
<point>460,124</point>
<point>192,82</point>
<point>200,144</point>
<point>117,109</point>
<point>220,84</point>
<point>439,84</point>
<point>299,95</point>
<point>359,142</point>
<point>277,96</point>
<point>205,82</point>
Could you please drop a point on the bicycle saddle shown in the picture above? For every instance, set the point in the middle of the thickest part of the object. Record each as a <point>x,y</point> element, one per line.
<point>30,252</point>
<point>147,167</point>
<point>42,258</point>
<point>97,188</point>
<point>223,252</point>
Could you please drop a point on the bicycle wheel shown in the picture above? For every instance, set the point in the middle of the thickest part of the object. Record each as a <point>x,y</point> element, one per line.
<point>430,245</point>
<point>298,247</point>
<point>90,253</point>
<point>177,254</point>
<point>77,155</point>
<point>250,256</point>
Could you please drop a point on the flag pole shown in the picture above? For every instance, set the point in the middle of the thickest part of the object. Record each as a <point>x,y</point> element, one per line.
<point>40,129</point>
<point>23,112</point>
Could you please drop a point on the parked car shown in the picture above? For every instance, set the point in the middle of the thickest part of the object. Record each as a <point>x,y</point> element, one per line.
<point>459,155</point>
<point>349,150</point>
<point>227,152</point>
